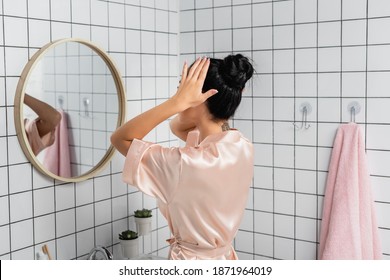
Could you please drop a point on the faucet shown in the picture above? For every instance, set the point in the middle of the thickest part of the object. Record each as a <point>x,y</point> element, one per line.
<point>103,251</point>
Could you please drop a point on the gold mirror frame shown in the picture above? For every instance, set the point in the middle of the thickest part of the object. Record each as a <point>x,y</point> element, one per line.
<point>18,111</point>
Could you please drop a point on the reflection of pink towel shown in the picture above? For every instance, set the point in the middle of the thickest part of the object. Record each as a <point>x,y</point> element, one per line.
<point>349,228</point>
<point>57,159</point>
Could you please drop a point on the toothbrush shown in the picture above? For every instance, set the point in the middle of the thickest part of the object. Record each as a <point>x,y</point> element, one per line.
<point>45,250</point>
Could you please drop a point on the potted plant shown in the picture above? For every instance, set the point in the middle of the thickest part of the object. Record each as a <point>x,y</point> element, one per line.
<point>143,220</point>
<point>129,243</point>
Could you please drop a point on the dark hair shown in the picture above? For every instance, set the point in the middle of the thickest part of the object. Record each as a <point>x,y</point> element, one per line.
<point>228,76</point>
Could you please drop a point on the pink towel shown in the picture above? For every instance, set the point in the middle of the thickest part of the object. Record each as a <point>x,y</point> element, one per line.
<point>349,228</point>
<point>57,157</point>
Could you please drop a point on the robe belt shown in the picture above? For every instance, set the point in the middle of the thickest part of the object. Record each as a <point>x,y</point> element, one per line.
<point>195,250</point>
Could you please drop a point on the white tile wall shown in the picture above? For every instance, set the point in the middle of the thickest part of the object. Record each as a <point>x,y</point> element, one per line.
<point>378,8</point>
<point>73,218</point>
<point>203,19</point>
<point>354,9</point>
<point>290,166</point>
<point>284,226</point>
<point>39,32</point>
<point>324,52</point>
<point>40,9</point>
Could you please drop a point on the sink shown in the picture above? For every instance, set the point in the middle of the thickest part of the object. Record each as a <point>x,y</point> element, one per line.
<point>148,257</point>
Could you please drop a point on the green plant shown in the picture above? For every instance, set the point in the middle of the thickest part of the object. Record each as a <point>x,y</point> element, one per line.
<point>144,213</point>
<point>128,235</point>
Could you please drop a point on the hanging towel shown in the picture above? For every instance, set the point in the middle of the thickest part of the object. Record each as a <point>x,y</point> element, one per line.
<point>349,228</point>
<point>57,156</point>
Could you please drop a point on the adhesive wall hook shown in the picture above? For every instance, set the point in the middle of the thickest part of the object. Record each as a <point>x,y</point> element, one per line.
<point>305,109</point>
<point>87,104</point>
<point>354,108</point>
<point>61,102</point>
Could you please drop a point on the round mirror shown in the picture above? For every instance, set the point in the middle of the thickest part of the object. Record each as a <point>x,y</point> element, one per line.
<point>69,100</point>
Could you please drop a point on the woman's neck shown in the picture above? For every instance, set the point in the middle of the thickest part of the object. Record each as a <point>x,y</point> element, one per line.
<point>209,127</point>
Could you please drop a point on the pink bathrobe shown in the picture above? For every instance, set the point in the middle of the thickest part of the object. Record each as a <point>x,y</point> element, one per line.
<point>201,189</point>
<point>37,143</point>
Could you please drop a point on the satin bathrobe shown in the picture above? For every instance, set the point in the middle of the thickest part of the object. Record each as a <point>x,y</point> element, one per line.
<point>201,190</point>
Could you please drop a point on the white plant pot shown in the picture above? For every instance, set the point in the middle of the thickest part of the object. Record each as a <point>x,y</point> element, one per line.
<point>144,225</point>
<point>130,248</point>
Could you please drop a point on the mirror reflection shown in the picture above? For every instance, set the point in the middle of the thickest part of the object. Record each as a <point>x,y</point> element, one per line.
<point>70,109</point>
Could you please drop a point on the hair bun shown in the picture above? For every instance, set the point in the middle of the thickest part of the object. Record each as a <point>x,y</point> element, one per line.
<point>236,70</point>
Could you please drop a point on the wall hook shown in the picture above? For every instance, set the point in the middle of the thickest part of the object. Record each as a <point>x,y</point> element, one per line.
<point>86,103</point>
<point>354,108</point>
<point>61,102</point>
<point>305,109</point>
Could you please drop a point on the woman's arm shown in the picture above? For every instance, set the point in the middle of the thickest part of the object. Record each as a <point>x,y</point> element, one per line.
<point>140,126</point>
<point>49,117</point>
<point>189,94</point>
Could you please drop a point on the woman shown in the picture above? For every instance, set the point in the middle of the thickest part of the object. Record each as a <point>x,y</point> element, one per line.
<point>201,188</point>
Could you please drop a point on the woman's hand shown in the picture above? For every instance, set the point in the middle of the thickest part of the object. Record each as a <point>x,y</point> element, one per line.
<point>189,93</point>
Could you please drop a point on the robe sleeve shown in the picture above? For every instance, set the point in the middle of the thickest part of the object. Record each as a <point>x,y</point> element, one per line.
<point>37,143</point>
<point>153,169</point>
